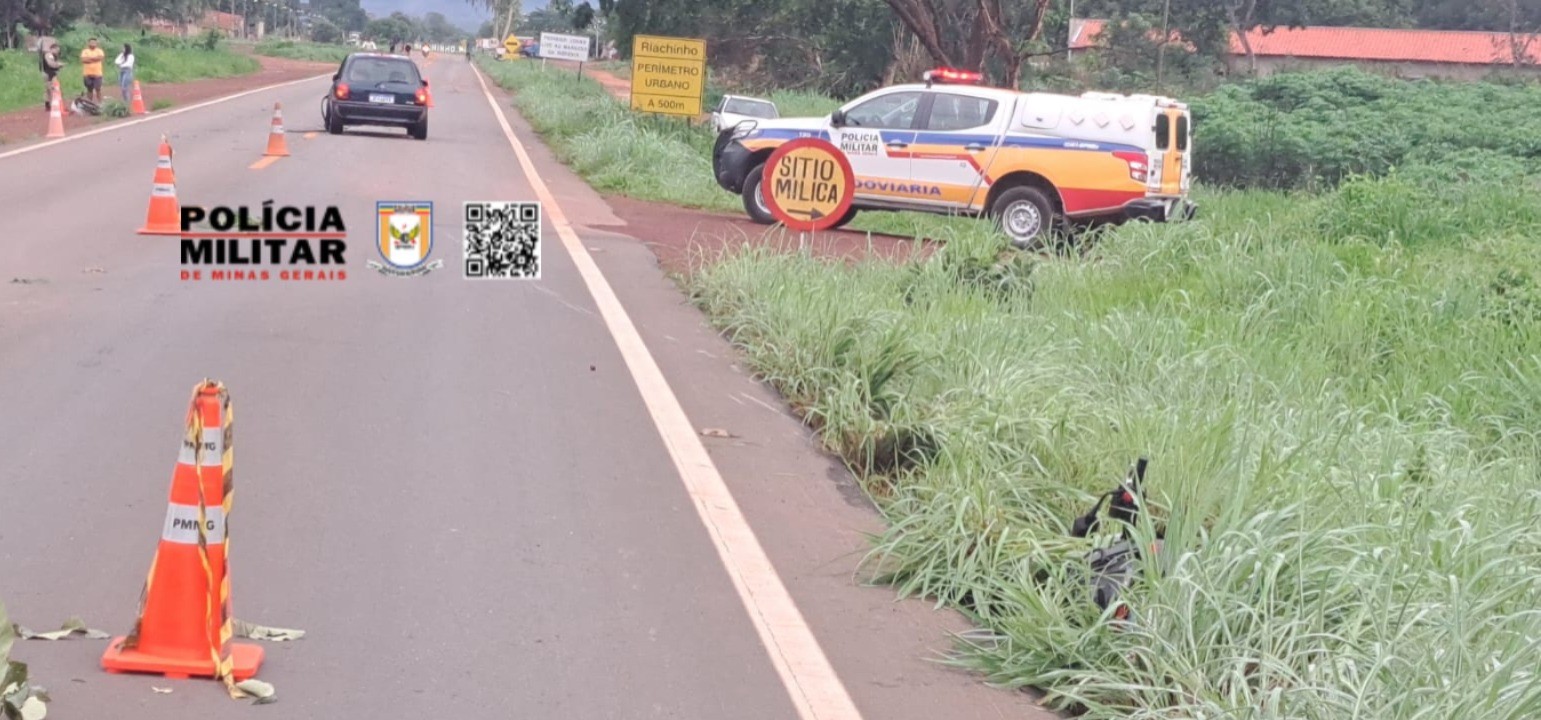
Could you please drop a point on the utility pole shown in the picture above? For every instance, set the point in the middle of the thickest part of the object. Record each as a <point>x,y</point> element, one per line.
<point>1071,41</point>
<point>1166,34</point>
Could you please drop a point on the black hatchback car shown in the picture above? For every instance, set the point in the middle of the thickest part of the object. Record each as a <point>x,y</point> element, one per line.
<point>377,89</point>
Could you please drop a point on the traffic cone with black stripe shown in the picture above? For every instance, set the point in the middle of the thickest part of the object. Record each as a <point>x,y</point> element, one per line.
<point>184,626</point>
<point>138,106</point>
<point>56,113</point>
<point>165,215</point>
<point>276,145</point>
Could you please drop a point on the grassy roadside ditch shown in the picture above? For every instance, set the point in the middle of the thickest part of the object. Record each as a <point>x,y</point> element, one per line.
<point>1340,396</point>
<point>158,59</point>
<point>660,159</point>
<point>1340,393</point>
<point>299,50</point>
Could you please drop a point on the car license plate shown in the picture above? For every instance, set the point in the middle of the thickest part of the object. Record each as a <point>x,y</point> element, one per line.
<point>378,98</point>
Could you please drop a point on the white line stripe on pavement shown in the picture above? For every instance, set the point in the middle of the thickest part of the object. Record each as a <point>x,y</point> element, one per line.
<point>156,116</point>
<point>810,680</point>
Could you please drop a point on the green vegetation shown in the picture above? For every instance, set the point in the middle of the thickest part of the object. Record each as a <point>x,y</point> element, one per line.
<point>18,697</point>
<point>1340,395</point>
<point>1339,391</point>
<point>653,158</point>
<point>1304,130</point>
<point>158,58</point>
<point>298,50</point>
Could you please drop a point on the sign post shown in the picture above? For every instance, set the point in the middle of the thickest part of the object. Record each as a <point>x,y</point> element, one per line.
<point>808,184</point>
<point>511,48</point>
<point>564,47</point>
<point>668,75</point>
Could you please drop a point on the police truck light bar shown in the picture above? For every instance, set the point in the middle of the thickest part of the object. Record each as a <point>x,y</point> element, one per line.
<point>949,75</point>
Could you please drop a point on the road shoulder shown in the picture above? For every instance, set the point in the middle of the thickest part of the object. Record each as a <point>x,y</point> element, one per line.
<point>22,127</point>
<point>805,507</point>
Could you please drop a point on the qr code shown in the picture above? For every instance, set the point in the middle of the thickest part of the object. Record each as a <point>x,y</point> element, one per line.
<point>502,240</point>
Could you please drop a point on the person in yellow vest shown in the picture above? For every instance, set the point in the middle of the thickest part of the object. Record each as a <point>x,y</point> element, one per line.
<point>91,70</point>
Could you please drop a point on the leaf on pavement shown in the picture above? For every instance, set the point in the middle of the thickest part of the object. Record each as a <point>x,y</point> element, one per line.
<point>33,709</point>
<point>70,627</point>
<point>717,433</point>
<point>244,629</point>
<point>262,691</point>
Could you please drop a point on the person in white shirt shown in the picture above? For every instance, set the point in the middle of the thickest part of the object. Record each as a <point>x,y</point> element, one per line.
<point>125,64</point>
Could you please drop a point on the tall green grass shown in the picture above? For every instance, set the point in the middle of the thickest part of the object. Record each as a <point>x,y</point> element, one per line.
<point>657,158</point>
<point>299,50</point>
<point>1340,396</point>
<point>1315,129</point>
<point>158,59</point>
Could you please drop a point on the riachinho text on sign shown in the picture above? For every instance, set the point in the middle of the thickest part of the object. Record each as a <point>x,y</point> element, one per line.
<point>668,75</point>
<point>670,47</point>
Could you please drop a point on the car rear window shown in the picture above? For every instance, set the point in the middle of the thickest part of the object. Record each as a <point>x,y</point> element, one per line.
<point>750,108</point>
<point>375,72</point>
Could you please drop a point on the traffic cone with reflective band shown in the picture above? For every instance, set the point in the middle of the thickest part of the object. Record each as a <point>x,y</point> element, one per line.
<point>138,107</point>
<point>428,92</point>
<point>276,145</point>
<point>165,215</point>
<point>56,114</point>
<point>184,625</point>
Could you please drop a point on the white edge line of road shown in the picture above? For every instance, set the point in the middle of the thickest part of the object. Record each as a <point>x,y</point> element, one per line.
<point>153,117</point>
<point>810,680</point>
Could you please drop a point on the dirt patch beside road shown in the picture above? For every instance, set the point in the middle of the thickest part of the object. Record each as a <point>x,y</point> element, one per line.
<point>31,124</point>
<point>683,239</point>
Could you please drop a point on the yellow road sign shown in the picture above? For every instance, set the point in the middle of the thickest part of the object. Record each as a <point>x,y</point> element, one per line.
<point>665,104</point>
<point>511,44</point>
<point>668,75</point>
<point>808,184</point>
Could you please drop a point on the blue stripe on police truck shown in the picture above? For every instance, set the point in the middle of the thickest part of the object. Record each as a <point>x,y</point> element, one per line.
<point>952,139</point>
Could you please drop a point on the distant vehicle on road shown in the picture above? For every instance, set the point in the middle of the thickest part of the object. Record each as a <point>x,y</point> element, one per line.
<point>734,109</point>
<point>377,89</point>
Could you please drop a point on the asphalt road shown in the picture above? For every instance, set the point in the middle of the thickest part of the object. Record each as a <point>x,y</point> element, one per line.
<point>454,487</point>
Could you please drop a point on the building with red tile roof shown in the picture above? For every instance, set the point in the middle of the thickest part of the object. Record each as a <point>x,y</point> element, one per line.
<point>1405,53</point>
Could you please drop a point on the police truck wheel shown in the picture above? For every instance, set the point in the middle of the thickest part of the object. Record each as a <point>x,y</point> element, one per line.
<point>754,200</point>
<point>845,219</point>
<point>1026,215</point>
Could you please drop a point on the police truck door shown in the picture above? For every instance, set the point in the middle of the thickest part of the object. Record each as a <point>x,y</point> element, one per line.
<point>876,137</point>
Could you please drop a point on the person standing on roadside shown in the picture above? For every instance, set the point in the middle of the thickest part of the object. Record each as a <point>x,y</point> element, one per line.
<point>91,70</point>
<point>125,63</point>
<point>49,63</point>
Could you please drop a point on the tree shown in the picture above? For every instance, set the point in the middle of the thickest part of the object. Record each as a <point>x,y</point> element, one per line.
<point>583,16</point>
<point>970,34</point>
<point>323,30</point>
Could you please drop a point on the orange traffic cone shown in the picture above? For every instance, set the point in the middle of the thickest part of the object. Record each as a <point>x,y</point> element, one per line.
<point>184,625</point>
<point>276,145</point>
<point>428,91</point>
<point>138,106</point>
<point>56,114</point>
<point>165,215</point>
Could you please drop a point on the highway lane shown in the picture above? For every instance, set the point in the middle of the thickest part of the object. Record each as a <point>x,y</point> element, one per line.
<point>468,520</point>
<point>453,486</point>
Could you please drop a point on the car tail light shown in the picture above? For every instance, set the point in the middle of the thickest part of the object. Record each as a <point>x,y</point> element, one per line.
<point>342,91</point>
<point>1139,164</point>
<point>422,96</point>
